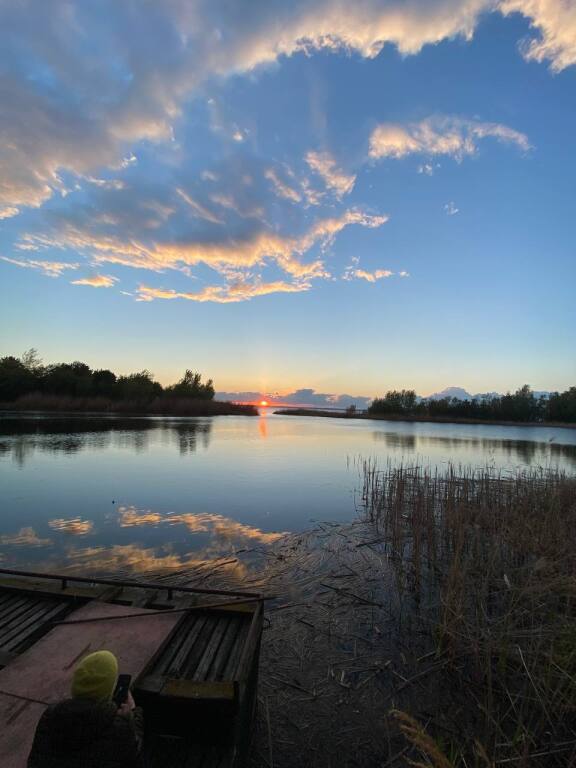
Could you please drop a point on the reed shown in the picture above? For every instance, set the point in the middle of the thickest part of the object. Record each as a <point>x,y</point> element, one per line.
<point>487,563</point>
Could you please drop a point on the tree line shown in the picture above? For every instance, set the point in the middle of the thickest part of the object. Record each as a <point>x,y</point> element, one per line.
<point>27,376</point>
<point>522,405</point>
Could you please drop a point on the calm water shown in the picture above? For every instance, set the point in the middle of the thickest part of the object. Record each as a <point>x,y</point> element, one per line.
<point>144,493</point>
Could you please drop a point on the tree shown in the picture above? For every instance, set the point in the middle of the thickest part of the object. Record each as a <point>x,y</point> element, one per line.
<point>190,385</point>
<point>138,386</point>
<point>104,383</point>
<point>15,379</point>
<point>395,402</point>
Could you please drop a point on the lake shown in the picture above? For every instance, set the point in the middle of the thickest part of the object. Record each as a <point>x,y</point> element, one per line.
<point>137,494</point>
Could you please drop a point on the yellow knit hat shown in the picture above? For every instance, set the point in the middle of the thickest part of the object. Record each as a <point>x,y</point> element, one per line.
<point>95,677</point>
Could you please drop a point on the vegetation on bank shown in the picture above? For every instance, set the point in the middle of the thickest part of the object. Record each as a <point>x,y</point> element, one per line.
<point>27,384</point>
<point>521,406</point>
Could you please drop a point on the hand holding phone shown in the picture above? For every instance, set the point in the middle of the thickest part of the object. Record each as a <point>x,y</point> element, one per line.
<point>122,691</point>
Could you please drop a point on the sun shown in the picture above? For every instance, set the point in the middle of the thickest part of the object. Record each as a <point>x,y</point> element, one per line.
<point>263,402</point>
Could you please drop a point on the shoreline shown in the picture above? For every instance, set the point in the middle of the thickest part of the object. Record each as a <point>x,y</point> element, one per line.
<point>423,419</point>
<point>106,408</point>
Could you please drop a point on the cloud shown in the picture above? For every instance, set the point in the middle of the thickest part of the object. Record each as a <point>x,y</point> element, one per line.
<point>218,526</point>
<point>428,168</point>
<point>26,537</point>
<point>555,21</point>
<point>257,250</point>
<point>49,268</point>
<point>131,558</point>
<point>198,209</point>
<point>75,526</point>
<point>451,136</point>
<point>281,188</point>
<point>153,62</point>
<point>336,180</point>
<point>224,294</point>
<point>371,277</point>
<point>98,281</point>
<point>451,208</point>
<point>8,211</point>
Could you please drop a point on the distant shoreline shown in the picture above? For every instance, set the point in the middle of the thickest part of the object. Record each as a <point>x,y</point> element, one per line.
<point>430,419</point>
<point>104,407</point>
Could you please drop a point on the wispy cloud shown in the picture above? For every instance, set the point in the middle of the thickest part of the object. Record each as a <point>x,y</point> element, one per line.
<point>370,277</point>
<point>451,209</point>
<point>49,268</point>
<point>452,136</point>
<point>335,179</point>
<point>198,209</point>
<point>281,187</point>
<point>224,294</point>
<point>98,281</point>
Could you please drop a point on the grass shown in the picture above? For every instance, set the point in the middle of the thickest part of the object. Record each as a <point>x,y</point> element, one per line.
<point>158,406</point>
<point>486,563</point>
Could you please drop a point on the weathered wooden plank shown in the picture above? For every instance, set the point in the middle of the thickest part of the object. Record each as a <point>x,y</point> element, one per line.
<point>229,672</point>
<point>19,618</point>
<point>18,606</point>
<point>199,647</point>
<point>193,689</point>
<point>251,646</point>
<point>6,658</point>
<point>210,651</point>
<point>50,589</point>
<point>18,720</point>
<point>164,659</point>
<point>9,609</point>
<point>192,631</point>
<point>39,624</point>
<point>223,653</point>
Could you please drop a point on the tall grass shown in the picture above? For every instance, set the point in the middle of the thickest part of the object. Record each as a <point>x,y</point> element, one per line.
<point>486,564</point>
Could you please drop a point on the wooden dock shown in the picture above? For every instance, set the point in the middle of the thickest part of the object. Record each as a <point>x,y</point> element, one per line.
<point>193,655</point>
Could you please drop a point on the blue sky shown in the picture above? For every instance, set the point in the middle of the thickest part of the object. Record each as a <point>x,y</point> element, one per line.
<point>340,197</point>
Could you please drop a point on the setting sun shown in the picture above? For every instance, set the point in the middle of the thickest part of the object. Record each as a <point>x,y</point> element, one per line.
<point>263,402</point>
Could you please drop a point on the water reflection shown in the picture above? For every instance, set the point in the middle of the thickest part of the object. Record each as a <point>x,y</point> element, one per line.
<point>209,539</point>
<point>21,437</point>
<point>525,451</point>
<point>139,493</point>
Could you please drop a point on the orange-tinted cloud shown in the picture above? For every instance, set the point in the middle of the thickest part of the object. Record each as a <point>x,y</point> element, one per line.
<point>49,268</point>
<point>76,526</point>
<point>26,537</point>
<point>98,281</point>
<point>203,522</point>
<point>451,136</point>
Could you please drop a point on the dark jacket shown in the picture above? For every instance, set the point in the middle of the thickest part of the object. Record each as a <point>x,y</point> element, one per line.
<point>80,733</point>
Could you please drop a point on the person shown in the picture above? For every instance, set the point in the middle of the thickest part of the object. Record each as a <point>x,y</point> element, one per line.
<point>89,730</point>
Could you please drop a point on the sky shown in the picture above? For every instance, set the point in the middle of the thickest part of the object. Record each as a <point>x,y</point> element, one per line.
<point>313,196</point>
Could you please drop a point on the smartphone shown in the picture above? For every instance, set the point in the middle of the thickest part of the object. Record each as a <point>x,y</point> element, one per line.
<point>122,688</point>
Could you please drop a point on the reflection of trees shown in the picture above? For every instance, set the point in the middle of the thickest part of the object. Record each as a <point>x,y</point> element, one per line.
<point>397,440</point>
<point>20,437</point>
<point>188,434</point>
<point>524,451</point>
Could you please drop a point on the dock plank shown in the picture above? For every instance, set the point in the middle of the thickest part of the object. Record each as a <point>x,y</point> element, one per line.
<point>211,649</point>
<point>224,651</point>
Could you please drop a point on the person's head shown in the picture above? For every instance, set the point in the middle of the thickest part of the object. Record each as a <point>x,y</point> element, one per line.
<point>95,677</point>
